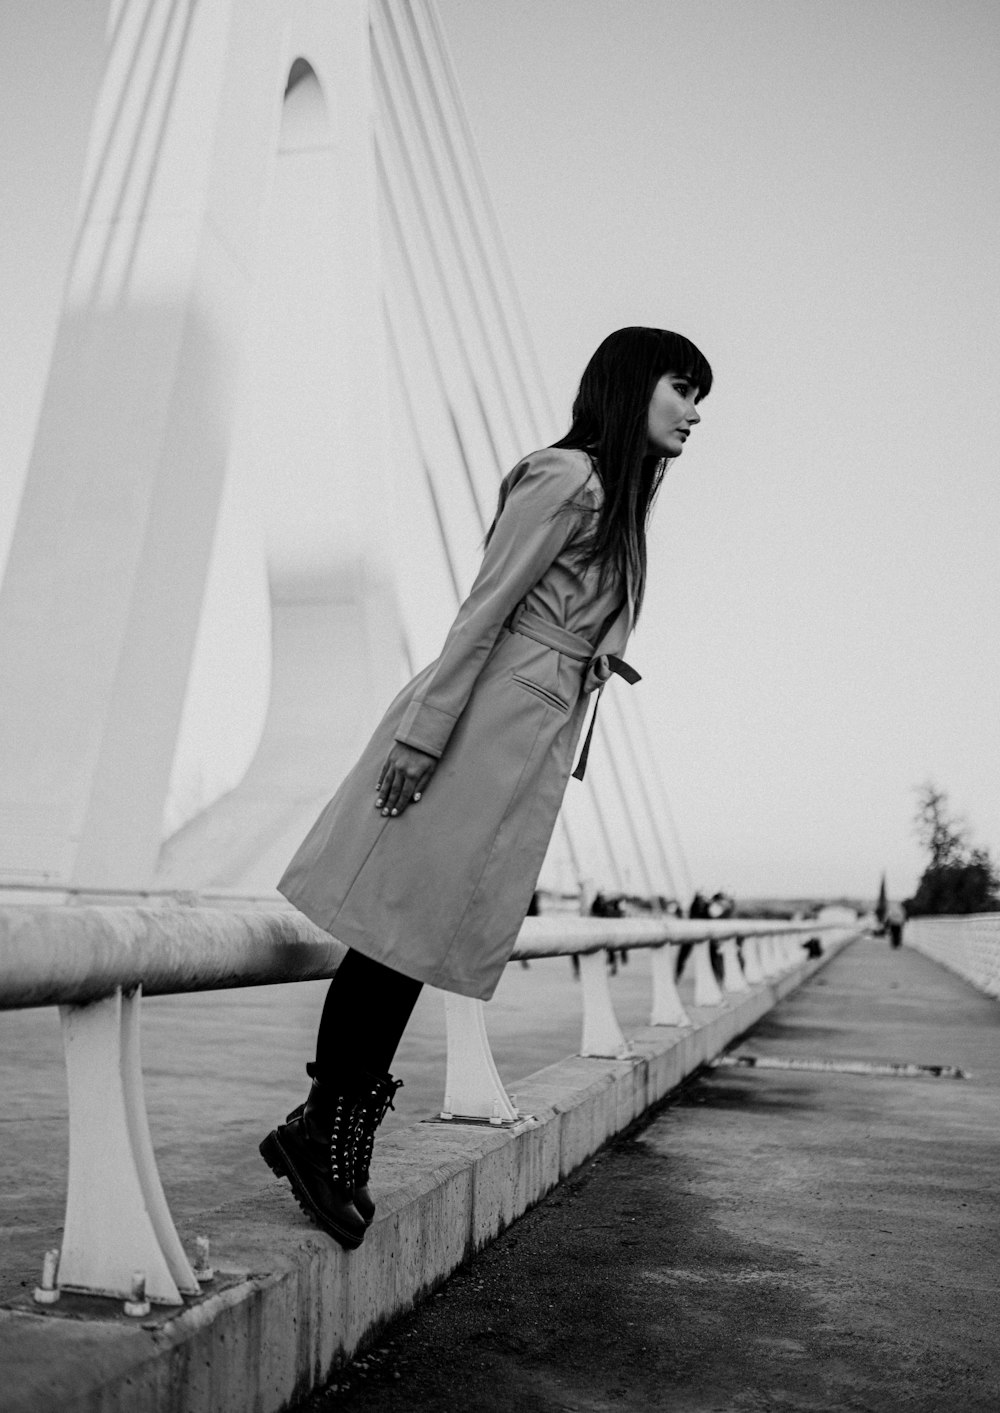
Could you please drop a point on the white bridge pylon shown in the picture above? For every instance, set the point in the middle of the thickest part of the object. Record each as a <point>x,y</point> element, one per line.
<point>290,371</point>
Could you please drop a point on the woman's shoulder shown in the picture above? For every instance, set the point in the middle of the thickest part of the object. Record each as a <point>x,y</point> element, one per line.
<point>556,470</point>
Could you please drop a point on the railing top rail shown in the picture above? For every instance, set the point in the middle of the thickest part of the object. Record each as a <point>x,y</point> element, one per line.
<point>558,936</point>
<point>54,955</point>
<point>955,919</point>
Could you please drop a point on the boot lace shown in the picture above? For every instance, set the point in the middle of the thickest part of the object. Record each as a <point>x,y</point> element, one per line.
<point>343,1125</point>
<point>375,1103</point>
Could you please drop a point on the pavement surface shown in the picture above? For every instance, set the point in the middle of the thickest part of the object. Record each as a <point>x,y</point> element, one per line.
<point>773,1239</point>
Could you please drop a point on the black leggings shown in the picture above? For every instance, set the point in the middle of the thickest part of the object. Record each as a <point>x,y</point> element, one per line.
<point>364,1016</point>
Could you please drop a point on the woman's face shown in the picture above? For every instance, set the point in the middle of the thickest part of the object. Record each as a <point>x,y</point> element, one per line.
<point>672,414</point>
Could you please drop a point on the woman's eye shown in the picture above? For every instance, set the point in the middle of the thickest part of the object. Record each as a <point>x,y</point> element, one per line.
<point>683,388</point>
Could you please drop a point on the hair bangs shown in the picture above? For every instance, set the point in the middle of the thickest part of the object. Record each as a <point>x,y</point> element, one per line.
<point>679,355</point>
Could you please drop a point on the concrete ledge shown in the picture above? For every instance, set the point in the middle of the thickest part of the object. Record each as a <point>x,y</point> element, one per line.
<point>297,1306</point>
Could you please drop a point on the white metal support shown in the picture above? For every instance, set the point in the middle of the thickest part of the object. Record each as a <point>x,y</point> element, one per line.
<point>602,1035</point>
<point>706,988</point>
<point>752,967</point>
<point>733,980</point>
<point>668,1008</point>
<point>472,1088</point>
<point>769,963</point>
<point>794,955</point>
<point>117,1219</point>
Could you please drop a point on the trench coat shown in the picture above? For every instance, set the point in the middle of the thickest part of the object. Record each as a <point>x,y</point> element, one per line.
<point>440,891</point>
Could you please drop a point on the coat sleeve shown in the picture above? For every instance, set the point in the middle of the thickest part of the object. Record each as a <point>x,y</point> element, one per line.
<point>529,532</point>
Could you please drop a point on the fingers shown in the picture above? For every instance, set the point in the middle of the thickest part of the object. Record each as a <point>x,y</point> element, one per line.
<point>401,785</point>
<point>384,780</point>
<point>396,792</point>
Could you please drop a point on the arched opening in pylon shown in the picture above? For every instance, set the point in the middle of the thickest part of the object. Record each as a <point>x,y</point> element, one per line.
<point>290,588</point>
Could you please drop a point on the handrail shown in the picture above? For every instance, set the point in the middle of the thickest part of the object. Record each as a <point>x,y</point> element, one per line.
<point>95,960</point>
<point>557,936</point>
<point>76,954</point>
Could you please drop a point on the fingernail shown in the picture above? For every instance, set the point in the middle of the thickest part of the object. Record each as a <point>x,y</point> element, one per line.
<point>385,814</point>
<point>378,803</point>
<point>416,797</point>
<point>395,811</point>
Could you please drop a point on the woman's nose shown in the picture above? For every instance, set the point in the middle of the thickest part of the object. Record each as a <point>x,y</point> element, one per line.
<point>694,415</point>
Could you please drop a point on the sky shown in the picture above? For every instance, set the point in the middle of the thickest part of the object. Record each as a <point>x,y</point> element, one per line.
<point>809,190</point>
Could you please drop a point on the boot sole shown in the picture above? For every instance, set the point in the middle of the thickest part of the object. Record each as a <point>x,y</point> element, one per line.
<point>277,1160</point>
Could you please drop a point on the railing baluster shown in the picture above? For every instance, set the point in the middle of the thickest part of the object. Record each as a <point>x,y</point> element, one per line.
<point>142,1149</point>
<point>733,980</point>
<point>472,1088</point>
<point>791,952</point>
<point>769,963</point>
<point>117,1219</point>
<point>602,1035</point>
<point>752,967</point>
<point>706,988</point>
<point>668,1009</point>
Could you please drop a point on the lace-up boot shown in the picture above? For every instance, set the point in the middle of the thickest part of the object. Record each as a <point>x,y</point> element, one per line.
<point>314,1150</point>
<point>375,1096</point>
<point>375,1102</point>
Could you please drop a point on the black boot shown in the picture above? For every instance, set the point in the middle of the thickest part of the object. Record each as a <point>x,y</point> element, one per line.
<point>314,1150</point>
<point>376,1094</point>
<point>376,1101</point>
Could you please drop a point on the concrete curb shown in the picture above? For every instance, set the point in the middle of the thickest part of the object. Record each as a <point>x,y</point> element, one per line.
<point>299,1305</point>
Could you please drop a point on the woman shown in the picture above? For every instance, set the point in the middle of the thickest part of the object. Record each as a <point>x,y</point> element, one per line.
<point>469,764</point>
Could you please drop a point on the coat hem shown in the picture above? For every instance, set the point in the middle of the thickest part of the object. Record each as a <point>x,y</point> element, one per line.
<point>362,941</point>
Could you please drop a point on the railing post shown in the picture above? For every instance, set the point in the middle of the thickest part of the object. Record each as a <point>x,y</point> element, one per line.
<point>752,967</point>
<point>770,965</point>
<point>668,1009</point>
<point>793,954</point>
<point>733,980</point>
<point>602,1035</point>
<point>117,1218</point>
<point>472,1088</point>
<point>706,988</point>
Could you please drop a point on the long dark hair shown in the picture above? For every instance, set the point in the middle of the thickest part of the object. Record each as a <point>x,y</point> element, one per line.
<point>609,422</point>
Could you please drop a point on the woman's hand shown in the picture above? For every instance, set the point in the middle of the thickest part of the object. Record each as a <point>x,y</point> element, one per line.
<point>405,776</point>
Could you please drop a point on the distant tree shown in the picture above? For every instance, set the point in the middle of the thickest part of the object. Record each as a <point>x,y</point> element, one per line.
<point>882,903</point>
<point>958,878</point>
<point>943,836</point>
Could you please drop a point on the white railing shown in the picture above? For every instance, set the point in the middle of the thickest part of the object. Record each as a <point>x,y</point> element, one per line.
<point>95,962</point>
<point>967,945</point>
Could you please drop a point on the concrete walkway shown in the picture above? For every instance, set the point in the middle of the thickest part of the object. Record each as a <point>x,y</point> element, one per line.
<point>774,1240</point>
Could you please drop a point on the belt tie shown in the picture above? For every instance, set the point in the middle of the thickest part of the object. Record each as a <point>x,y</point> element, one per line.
<point>620,669</point>
<point>550,635</point>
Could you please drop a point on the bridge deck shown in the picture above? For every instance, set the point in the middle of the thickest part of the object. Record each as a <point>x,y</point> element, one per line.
<point>775,1239</point>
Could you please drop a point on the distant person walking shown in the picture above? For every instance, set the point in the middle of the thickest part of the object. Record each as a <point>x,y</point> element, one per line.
<point>425,860</point>
<point>698,907</point>
<point>895,919</point>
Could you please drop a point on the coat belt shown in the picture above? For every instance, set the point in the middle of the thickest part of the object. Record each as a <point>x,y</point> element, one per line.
<point>573,645</point>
